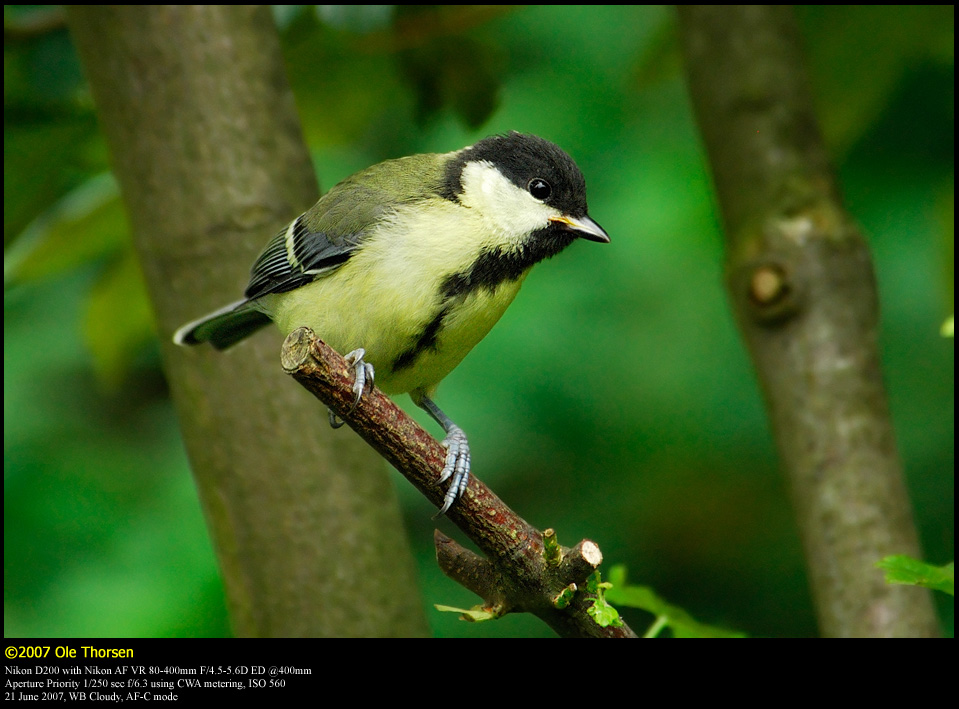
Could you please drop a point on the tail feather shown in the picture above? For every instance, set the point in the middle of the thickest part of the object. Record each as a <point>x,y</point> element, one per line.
<point>224,327</point>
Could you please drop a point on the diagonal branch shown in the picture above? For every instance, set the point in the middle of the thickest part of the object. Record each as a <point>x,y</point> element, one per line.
<point>516,576</point>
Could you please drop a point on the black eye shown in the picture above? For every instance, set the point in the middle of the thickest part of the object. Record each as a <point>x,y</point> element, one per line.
<point>539,188</point>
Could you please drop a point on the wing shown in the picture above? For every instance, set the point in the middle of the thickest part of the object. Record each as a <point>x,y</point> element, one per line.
<point>297,256</point>
<point>318,242</point>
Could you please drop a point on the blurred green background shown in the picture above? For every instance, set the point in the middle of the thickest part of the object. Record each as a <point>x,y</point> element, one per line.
<point>613,401</point>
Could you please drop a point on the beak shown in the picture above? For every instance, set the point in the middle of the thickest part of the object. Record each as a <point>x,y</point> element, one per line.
<point>584,227</point>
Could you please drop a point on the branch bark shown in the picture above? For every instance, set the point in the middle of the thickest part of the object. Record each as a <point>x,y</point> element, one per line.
<point>208,151</point>
<point>517,575</point>
<point>801,284</point>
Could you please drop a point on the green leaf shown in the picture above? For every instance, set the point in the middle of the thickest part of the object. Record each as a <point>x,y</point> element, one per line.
<point>118,322</point>
<point>600,610</point>
<point>86,224</point>
<point>682,624</point>
<point>906,570</point>
<point>473,615</point>
<point>604,614</point>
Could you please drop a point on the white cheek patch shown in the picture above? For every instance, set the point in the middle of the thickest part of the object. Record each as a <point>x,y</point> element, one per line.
<point>487,178</point>
<point>508,210</point>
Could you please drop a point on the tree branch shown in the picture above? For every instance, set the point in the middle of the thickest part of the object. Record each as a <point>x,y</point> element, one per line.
<point>801,284</point>
<point>517,576</point>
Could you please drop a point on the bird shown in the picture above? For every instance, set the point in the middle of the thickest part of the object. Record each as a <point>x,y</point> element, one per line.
<point>408,264</point>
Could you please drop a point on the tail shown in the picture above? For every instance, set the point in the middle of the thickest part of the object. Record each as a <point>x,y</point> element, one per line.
<point>224,327</point>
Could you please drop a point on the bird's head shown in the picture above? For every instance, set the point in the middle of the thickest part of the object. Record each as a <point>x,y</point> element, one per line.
<point>526,189</point>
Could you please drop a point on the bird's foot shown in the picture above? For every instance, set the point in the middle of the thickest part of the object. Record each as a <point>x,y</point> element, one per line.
<point>364,373</point>
<point>457,466</point>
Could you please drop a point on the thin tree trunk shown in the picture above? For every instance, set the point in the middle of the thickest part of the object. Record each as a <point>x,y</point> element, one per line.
<point>801,284</point>
<point>207,148</point>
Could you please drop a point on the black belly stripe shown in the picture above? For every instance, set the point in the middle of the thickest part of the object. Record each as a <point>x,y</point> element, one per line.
<point>492,268</point>
<point>426,341</point>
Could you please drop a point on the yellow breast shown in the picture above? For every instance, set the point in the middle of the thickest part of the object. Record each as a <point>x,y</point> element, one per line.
<point>389,299</point>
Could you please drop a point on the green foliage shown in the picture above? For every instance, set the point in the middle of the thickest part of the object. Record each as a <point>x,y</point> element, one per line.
<point>118,322</point>
<point>852,100</point>
<point>473,615</point>
<point>449,70</point>
<point>600,610</point>
<point>906,570</point>
<point>86,225</point>
<point>667,616</point>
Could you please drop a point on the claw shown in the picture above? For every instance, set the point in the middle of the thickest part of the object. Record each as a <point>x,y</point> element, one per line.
<point>457,454</point>
<point>457,447</point>
<point>364,373</point>
<point>457,466</point>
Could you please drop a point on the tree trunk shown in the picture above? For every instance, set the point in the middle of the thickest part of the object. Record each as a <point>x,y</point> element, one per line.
<point>208,151</point>
<point>802,287</point>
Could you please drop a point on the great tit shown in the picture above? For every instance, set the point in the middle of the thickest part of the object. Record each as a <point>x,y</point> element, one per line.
<point>408,264</point>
